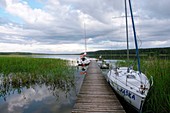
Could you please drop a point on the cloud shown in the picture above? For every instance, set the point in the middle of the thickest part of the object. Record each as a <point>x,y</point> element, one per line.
<point>60,23</point>
<point>29,15</point>
<point>2,3</point>
<point>156,8</point>
<point>23,100</point>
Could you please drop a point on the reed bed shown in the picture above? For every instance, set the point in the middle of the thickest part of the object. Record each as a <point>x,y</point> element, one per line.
<point>158,99</point>
<point>19,72</point>
<point>36,66</point>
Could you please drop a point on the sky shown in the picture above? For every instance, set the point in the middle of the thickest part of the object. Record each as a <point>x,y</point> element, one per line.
<point>59,26</point>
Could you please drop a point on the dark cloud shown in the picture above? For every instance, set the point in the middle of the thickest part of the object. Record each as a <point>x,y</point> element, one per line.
<point>98,9</point>
<point>156,8</point>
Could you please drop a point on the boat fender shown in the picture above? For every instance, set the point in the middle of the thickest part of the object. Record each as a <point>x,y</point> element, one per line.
<point>143,88</point>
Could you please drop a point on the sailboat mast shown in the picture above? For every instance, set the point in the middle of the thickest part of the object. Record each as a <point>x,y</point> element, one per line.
<point>135,38</point>
<point>85,37</point>
<point>127,35</point>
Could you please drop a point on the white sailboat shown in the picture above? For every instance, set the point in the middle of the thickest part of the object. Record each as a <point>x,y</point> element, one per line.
<point>84,60</point>
<point>132,85</point>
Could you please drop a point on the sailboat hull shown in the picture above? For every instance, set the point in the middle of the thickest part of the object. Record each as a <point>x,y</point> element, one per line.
<point>83,61</point>
<point>83,64</point>
<point>126,89</point>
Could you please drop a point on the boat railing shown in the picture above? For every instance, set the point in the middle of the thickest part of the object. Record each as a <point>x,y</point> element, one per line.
<point>127,83</point>
<point>151,81</point>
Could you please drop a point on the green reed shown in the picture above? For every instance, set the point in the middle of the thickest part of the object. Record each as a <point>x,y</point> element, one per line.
<point>19,72</point>
<point>158,99</point>
<point>37,66</point>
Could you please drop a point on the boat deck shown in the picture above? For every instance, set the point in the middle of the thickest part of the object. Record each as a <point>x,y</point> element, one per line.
<point>96,96</point>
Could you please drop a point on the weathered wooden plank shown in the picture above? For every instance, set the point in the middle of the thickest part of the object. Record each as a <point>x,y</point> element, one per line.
<point>95,95</point>
<point>97,111</point>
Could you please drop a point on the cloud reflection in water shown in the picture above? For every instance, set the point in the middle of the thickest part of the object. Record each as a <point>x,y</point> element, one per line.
<point>40,96</point>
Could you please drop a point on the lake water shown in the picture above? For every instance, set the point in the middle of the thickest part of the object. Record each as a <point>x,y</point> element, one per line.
<point>65,57</point>
<point>42,98</point>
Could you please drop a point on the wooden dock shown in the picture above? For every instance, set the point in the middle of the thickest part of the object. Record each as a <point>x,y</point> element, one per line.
<point>96,96</point>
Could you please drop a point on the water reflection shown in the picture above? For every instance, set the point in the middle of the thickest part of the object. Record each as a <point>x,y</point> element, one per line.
<point>38,100</point>
<point>83,69</point>
<point>28,93</point>
<point>16,83</point>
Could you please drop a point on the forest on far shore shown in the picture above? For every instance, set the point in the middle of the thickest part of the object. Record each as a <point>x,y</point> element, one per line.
<point>120,54</point>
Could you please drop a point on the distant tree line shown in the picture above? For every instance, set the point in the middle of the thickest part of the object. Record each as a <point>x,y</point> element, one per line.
<point>157,52</point>
<point>15,53</point>
<point>28,53</point>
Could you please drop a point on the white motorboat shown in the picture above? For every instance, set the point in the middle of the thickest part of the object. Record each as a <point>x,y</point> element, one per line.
<point>102,63</point>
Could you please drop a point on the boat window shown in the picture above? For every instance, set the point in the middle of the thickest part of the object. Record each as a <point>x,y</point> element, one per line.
<point>131,76</point>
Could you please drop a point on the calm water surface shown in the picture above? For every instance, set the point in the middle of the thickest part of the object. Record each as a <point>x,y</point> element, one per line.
<point>65,57</point>
<point>57,97</point>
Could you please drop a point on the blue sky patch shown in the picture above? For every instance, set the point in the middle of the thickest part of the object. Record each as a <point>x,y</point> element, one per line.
<point>34,4</point>
<point>9,18</point>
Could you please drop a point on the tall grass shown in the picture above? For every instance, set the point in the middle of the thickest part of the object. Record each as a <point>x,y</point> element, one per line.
<point>19,72</point>
<point>158,99</point>
<point>36,66</point>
